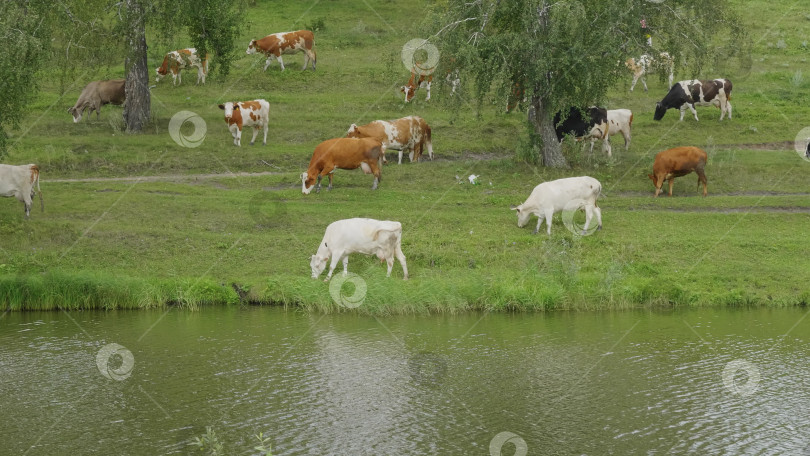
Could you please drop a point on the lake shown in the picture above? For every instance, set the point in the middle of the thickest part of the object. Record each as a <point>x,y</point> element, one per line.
<point>699,381</point>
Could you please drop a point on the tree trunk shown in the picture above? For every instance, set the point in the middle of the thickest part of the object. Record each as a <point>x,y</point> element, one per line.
<point>543,124</point>
<point>138,104</point>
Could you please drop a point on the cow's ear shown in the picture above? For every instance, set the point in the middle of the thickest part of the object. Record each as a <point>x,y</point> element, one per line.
<point>515,208</point>
<point>222,106</point>
<point>651,176</point>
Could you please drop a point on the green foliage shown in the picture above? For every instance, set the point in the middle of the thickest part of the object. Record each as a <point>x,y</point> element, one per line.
<point>26,31</point>
<point>209,443</point>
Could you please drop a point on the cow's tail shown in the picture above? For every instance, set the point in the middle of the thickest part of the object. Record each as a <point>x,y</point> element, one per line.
<point>35,180</point>
<point>630,124</point>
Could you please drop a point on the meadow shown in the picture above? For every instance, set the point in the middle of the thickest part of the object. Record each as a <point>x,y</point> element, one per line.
<point>134,221</point>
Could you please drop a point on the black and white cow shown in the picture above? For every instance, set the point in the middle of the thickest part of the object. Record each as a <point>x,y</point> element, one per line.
<point>693,92</point>
<point>594,125</point>
<point>807,150</point>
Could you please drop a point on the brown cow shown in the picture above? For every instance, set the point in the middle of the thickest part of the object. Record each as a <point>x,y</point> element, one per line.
<point>415,82</point>
<point>96,94</point>
<point>182,59</point>
<point>410,133</point>
<point>343,153</point>
<point>678,162</point>
<point>285,43</point>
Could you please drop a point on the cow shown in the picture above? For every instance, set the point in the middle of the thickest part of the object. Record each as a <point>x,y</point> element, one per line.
<point>410,133</point>
<point>179,60</point>
<point>277,44</point>
<point>693,92</point>
<point>359,235</point>
<point>677,162</point>
<point>646,64</point>
<point>96,94</point>
<point>343,153</point>
<point>414,83</point>
<point>570,193</point>
<point>619,121</point>
<point>240,114</point>
<point>807,149</point>
<point>596,126</point>
<point>19,182</point>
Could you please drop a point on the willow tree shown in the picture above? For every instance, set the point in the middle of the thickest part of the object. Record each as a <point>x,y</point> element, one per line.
<point>561,53</point>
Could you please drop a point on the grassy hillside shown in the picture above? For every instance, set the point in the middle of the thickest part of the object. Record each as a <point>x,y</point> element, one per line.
<point>184,236</point>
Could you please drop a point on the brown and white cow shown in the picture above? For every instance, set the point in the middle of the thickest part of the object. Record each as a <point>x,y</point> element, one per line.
<point>414,83</point>
<point>343,153</point>
<point>240,114</point>
<point>592,124</point>
<point>179,60</point>
<point>19,182</point>
<point>677,162</point>
<point>647,64</point>
<point>683,94</point>
<point>277,44</point>
<point>410,133</point>
<point>96,94</point>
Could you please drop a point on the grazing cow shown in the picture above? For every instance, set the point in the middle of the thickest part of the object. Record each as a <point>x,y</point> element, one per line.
<point>596,126</point>
<point>240,114</point>
<point>646,64</point>
<point>807,150</point>
<point>678,162</point>
<point>359,235</point>
<point>414,83</point>
<point>619,121</point>
<point>179,60</point>
<point>569,193</point>
<point>19,182</point>
<point>515,97</point>
<point>410,133</point>
<point>343,153</point>
<point>277,44</point>
<point>685,94</point>
<point>96,94</point>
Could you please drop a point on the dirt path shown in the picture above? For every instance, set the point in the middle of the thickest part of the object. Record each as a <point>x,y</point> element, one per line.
<point>167,177</point>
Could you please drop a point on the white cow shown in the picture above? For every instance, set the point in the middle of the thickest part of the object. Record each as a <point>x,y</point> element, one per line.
<point>19,181</point>
<point>359,235</point>
<point>619,121</point>
<point>239,114</point>
<point>569,193</point>
<point>646,64</point>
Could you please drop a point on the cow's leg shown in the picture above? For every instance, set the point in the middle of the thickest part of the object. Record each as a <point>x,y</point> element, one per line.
<point>728,108</point>
<point>345,265</point>
<point>588,217</point>
<point>683,110</point>
<point>400,157</point>
<point>626,135</point>
<point>268,62</point>
<point>264,141</point>
<point>606,146</point>
<point>330,182</point>
<point>318,188</point>
<point>549,215</point>
<point>280,62</point>
<point>692,108</point>
<point>336,257</point>
<point>539,222</point>
<point>255,134</point>
<point>239,137</point>
<point>671,181</point>
<point>593,140</point>
<point>390,262</point>
<point>375,169</point>
<point>633,85</point>
<point>427,86</point>
<point>701,179</point>
<point>401,257</point>
<point>598,213</point>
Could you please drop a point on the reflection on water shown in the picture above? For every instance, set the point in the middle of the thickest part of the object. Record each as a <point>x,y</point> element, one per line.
<point>704,381</point>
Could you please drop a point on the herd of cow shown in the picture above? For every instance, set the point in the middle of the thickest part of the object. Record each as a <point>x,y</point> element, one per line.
<point>365,146</point>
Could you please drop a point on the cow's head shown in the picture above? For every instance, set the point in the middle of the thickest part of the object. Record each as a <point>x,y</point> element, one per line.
<point>159,73</point>
<point>654,178</point>
<point>522,215</point>
<point>409,92</point>
<point>353,132</point>
<point>307,183</point>
<point>228,108</point>
<point>76,113</point>
<point>317,263</point>
<point>660,110</point>
<point>251,47</point>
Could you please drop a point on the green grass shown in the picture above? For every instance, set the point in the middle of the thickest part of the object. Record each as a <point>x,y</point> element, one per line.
<point>190,241</point>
